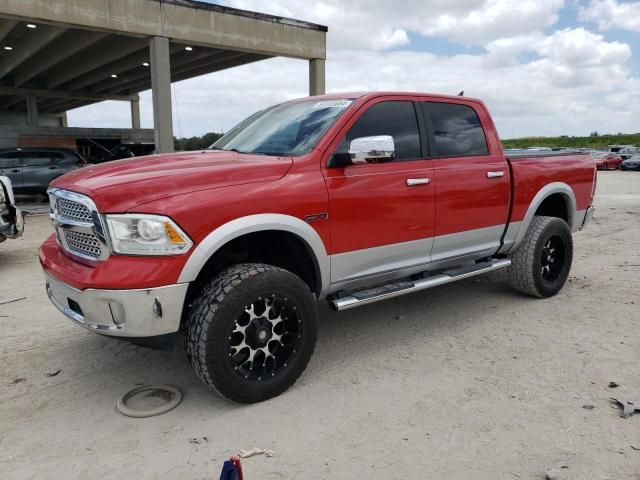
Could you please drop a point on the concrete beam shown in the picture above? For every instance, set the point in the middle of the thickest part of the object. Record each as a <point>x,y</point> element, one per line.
<point>45,104</point>
<point>196,71</point>
<point>105,52</point>
<point>63,105</point>
<point>56,105</point>
<point>231,63</point>
<point>6,26</point>
<point>32,111</point>
<point>63,94</point>
<point>33,42</point>
<point>133,61</point>
<point>135,113</point>
<point>161,93</point>
<point>10,100</point>
<point>193,23</point>
<point>316,77</point>
<point>178,65</point>
<point>58,51</point>
<point>143,74</point>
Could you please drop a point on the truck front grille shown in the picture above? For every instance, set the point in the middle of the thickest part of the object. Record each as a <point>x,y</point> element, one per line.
<point>70,210</point>
<point>83,243</point>
<point>78,226</point>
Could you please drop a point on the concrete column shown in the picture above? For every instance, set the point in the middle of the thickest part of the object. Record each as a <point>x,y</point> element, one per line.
<point>161,93</point>
<point>64,120</point>
<point>316,76</point>
<point>135,113</point>
<point>32,111</point>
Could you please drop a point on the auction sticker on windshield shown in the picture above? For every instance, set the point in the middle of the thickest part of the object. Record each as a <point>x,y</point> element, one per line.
<point>333,104</point>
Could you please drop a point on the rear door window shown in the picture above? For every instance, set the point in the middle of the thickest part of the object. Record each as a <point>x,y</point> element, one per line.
<point>456,130</point>
<point>57,157</point>
<point>36,159</point>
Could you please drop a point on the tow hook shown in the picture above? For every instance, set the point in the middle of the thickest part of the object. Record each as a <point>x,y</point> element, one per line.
<point>157,307</point>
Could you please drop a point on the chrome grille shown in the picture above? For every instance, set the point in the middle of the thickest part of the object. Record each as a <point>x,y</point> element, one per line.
<point>78,226</point>
<point>70,210</point>
<point>83,243</point>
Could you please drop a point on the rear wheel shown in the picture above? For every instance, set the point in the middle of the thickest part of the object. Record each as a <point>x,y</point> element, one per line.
<point>541,263</point>
<point>252,331</point>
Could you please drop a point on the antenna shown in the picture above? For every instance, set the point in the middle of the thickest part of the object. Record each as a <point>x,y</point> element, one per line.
<point>461,94</point>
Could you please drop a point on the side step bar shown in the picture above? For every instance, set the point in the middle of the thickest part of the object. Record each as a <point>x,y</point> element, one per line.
<point>363,297</point>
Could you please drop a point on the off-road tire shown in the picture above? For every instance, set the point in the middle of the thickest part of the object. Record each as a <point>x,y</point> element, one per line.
<point>213,318</point>
<point>526,271</point>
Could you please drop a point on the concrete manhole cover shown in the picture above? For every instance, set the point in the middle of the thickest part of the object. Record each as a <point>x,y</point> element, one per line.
<point>149,400</point>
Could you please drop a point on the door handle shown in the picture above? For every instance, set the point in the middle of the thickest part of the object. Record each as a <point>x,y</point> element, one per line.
<point>14,171</point>
<point>497,174</point>
<point>412,182</point>
<point>53,168</point>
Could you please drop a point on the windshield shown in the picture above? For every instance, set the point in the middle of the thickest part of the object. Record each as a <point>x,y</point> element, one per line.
<point>289,129</point>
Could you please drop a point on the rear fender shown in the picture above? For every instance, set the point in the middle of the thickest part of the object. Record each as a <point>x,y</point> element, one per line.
<point>517,230</point>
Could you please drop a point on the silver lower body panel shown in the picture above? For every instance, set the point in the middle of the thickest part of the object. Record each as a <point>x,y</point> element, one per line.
<point>120,313</point>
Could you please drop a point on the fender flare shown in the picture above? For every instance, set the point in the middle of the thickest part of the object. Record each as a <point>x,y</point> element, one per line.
<point>258,223</point>
<point>545,192</point>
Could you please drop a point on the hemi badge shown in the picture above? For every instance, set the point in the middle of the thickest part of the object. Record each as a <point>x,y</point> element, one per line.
<point>316,216</point>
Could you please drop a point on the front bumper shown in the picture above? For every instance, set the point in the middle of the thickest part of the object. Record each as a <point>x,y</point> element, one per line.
<point>15,227</point>
<point>120,313</point>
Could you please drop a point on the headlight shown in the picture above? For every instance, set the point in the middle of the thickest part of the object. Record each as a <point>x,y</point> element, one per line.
<point>141,234</point>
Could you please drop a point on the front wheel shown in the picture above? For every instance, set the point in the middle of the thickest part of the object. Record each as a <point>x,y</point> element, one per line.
<point>541,263</point>
<point>252,331</point>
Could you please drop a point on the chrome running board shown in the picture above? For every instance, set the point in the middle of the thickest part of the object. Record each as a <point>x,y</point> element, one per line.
<point>383,292</point>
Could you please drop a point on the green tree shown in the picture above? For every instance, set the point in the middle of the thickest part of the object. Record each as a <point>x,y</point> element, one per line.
<point>196,143</point>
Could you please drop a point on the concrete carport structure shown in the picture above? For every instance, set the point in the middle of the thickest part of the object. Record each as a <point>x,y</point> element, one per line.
<point>57,55</point>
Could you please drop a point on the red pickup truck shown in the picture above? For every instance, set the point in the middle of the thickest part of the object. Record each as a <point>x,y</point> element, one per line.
<point>350,198</point>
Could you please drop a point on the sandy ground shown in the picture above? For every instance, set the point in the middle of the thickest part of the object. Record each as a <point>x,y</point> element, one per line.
<point>466,381</point>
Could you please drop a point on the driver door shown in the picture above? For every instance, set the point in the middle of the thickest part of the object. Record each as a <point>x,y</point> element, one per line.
<point>382,207</point>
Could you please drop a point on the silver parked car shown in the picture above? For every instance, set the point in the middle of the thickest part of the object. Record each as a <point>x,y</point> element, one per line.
<point>631,163</point>
<point>32,169</point>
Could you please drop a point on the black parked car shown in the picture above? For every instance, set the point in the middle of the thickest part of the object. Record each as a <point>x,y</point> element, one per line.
<point>32,169</point>
<point>632,163</point>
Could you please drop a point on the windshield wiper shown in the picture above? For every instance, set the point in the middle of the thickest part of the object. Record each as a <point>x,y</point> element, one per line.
<point>236,151</point>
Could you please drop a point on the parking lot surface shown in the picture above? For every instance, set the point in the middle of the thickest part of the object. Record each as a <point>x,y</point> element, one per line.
<point>465,381</point>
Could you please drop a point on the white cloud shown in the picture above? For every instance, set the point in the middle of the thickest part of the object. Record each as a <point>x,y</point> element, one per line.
<point>368,23</point>
<point>570,81</point>
<point>613,14</point>
<point>579,47</point>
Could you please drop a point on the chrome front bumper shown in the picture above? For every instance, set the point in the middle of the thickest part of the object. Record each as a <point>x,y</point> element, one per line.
<point>121,313</point>
<point>587,217</point>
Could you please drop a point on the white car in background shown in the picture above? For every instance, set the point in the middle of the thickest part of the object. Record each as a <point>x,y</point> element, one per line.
<point>11,220</point>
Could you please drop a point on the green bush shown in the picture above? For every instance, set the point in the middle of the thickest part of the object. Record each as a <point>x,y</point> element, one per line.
<point>592,141</point>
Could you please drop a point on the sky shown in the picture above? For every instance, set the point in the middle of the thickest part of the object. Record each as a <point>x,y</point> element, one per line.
<point>543,67</point>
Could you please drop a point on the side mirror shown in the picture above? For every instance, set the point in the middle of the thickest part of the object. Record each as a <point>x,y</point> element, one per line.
<point>376,149</point>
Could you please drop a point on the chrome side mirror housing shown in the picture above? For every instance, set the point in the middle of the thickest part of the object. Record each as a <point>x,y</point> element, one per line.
<point>375,149</point>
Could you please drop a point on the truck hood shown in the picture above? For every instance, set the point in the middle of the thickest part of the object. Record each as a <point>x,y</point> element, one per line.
<point>122,185</point>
